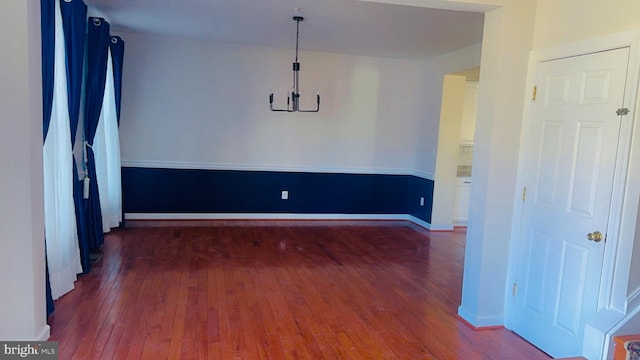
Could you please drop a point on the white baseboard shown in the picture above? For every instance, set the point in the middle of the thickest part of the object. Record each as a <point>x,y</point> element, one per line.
<point>44,334</point>
<point>441,227</point>
<point>419,222</point>
<point>480,321</point>
<point>276,216</point>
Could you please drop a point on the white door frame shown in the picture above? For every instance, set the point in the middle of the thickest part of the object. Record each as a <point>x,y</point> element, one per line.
<point>613,299</point>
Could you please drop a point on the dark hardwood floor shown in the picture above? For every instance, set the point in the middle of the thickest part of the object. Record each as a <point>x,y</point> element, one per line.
<point>276,290</point>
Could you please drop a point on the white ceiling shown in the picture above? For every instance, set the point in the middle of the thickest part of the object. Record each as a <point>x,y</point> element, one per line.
<point>368,28</point>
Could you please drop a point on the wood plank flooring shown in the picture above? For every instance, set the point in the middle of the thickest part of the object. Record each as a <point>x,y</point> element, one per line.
<point>276,290</point>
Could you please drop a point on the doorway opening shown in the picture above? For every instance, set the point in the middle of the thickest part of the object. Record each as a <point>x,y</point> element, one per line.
<point>454,157</point>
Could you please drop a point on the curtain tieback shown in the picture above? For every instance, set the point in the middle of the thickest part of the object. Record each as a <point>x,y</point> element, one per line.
<point>85,187</point>
<point>85,161</point>
<point>84,151</point>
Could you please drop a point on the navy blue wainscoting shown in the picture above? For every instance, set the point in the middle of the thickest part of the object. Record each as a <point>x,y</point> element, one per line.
<point>418,187</point>
<point>155,190</point>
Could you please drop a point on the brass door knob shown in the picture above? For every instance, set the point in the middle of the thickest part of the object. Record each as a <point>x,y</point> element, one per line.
<point>595,236</point>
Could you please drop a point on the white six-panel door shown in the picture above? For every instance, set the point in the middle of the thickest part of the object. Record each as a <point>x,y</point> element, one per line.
<point>573,136</point>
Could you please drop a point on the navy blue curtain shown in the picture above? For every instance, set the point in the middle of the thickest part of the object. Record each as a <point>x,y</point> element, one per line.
<point>98,39</point>
<point>50,305</point>
<point>47,22</point>
<point>74,22</point>
<point>117,56</point>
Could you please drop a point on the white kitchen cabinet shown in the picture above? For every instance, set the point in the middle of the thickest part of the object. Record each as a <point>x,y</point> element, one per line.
<point>461,204</point>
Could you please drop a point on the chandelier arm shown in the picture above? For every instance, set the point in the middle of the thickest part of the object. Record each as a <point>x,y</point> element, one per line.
<point>272,108</point>
<point>317,105</point>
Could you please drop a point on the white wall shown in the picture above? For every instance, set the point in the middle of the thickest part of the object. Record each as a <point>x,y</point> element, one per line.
<point>507,38</point>
<point>447,154</point>
<point>468,125</point>
<point>189,102</point>
<point>436,69</point>
<point>457,125</point>
<point>562,22</point>
<point>22,261</point>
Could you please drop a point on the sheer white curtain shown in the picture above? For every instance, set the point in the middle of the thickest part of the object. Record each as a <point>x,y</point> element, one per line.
<point>106,147</point>
<point>60,219</point>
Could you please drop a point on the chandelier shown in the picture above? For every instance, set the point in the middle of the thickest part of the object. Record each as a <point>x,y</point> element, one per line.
<point>293,97</point>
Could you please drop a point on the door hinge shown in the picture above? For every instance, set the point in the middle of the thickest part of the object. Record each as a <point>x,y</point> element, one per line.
<point>524,194</point>
<point>535,92</point>
<point>622,111</point>
<point>514,291</point>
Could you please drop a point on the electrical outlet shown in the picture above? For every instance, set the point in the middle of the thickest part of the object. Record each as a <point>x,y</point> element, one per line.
<point>421,201</point>
<point>285,195</point>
